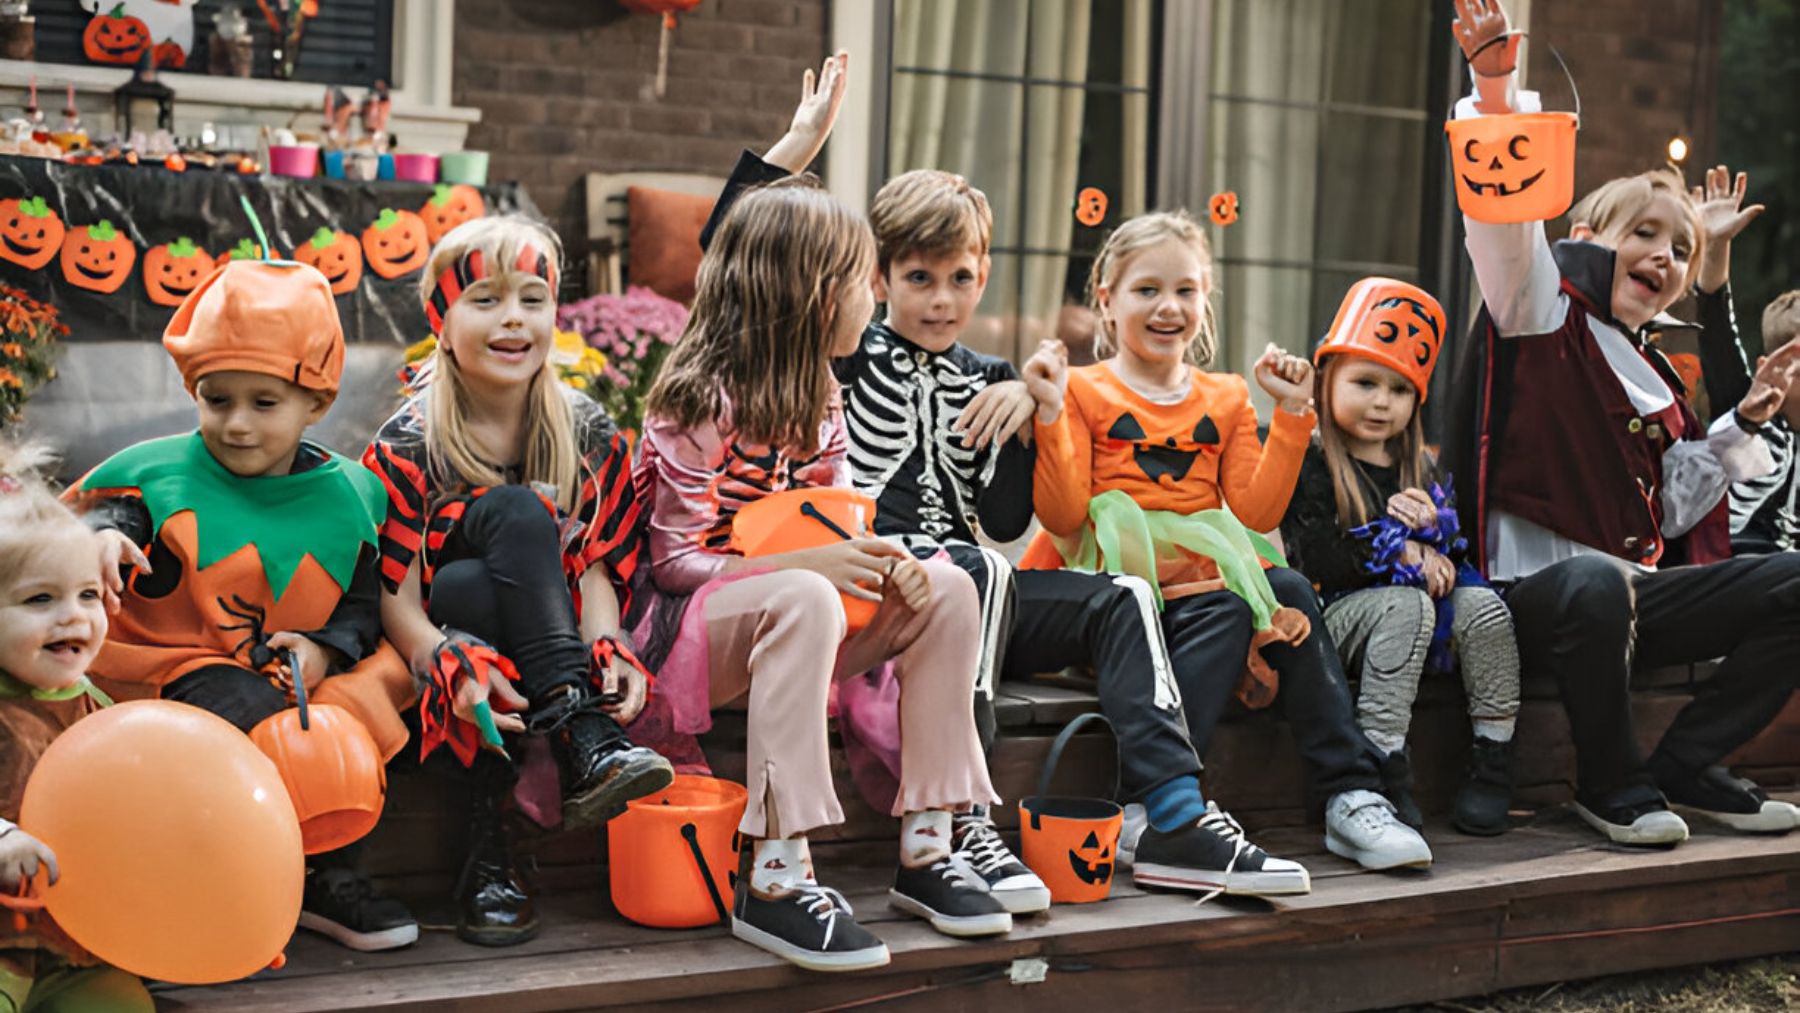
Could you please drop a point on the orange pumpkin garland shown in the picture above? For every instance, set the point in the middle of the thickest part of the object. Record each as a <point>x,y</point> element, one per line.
<point>336,255</point>
<point>173,270</point>
<point>450,206</point>
<point>30,233</point>
<point>396,243</point>
<point>98,257</point>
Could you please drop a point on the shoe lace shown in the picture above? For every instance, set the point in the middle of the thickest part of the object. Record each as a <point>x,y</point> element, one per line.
<point>1220,822</point>
<point>982,847</point>
<point>1375,816</point>
<point>955,870</point>
<point>823,903</point>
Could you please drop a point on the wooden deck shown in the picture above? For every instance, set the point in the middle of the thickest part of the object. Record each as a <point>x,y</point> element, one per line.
<point>1546,902</point>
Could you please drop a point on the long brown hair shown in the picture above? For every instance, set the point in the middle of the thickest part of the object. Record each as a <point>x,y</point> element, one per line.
<point>1407,448</point>
<point>765,303</point>
<point>1137,235</point>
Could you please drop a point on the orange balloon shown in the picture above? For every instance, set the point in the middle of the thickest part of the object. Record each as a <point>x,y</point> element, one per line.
<point>332,771</point>
<point>178,845</point>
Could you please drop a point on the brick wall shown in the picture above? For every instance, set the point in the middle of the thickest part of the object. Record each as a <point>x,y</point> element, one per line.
<point>559,102</point>
<point>1646,71</point>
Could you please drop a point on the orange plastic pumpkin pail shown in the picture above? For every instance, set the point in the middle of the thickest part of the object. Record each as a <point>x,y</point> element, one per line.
<point>1071,843</point>
<point>671,854</point>
<point>332,770</point>
<point>806,519</point>
<point>1515,167</point>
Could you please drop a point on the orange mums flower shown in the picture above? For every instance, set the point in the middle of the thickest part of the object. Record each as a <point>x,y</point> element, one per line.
<point>9,379</point>
<point>1224,207</point>
<point>13,350</point>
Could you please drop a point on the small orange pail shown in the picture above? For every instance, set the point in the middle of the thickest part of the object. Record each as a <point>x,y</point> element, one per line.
<point>806,519</point>
<point>1071,843</point>
<point>1515,167</point>
<point>671,853</point>
<point>331,767</point>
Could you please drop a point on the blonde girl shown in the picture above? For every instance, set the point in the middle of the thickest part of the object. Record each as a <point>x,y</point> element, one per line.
<point>746,406</point>
<point>507,554</point>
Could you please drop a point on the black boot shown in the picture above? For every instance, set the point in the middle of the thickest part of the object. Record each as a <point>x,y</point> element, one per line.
<point>1397,783</point>
<point>1486,793</point>
<point>494,907</point>
<point>601,769</point>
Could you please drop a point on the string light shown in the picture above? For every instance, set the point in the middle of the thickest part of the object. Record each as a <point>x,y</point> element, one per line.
<point>1678,149</point>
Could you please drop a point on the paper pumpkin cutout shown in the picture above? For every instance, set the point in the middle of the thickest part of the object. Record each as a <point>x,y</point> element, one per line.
<point>115,37</point>
<point>97,257</point>
<point>168,54</point>
<point>1392,323</point>
<point>1090,206</point>
<point>30,233</point>
<point>450,206</point>
<point>169,23</point>
<point>395,243</point>
<point>173,270</point>
<point>1516,167</point>
<point>1092,861</point>
<point>338,257</point>
<point>247,249</point>
<point>1223,208</point>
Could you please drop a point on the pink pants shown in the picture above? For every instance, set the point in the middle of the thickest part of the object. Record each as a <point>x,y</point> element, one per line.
<point>778,638</point>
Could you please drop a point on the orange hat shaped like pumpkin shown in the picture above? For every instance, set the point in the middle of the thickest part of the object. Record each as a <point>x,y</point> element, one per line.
<point>1392,323</point>
<point>273,317</point>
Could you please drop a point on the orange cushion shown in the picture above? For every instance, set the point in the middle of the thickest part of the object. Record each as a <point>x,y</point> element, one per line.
<point>664,238</point>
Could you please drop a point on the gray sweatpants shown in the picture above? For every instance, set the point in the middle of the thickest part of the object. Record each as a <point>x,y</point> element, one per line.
<point>1384,633</point>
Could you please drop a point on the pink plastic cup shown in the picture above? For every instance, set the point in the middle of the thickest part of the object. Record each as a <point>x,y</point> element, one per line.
<point>415,167</point>
<point>300,160</point>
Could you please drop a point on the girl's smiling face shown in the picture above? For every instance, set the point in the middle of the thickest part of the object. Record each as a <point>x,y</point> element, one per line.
<point>52,622</point>
<point>1156,302</point>
<point>500,330</point>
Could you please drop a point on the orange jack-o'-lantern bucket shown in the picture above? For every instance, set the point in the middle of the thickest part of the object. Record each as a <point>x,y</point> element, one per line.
<point>806,519</point>
<point>331,767</point>
<point>1072,843</point>
<point>1390,322</point>
<point>1516,167</point>
<point>671,855</point>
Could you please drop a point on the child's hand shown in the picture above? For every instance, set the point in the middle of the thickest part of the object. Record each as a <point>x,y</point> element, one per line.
<point>1413,508</point>
<point>470,693</point>
<point>910,580</point>
<point>1775,376</point>
<point>1286,378</point>
<point>1478,24</point>
<point>624,679</point>
<point>995,414</point>
<point>117,551</point>
<point>814,117</point>
<point>1722,217</point>
<point>856,567</point>
<point>1046,377</point>
<point>1439,572</point>
<point>20,856</point>
<point>309,656</point>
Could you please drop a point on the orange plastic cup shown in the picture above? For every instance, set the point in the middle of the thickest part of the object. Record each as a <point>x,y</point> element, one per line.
<point>806,519</point>
<point>666,846</point>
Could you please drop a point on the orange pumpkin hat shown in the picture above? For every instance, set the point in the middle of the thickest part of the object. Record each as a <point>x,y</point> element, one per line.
<point>1389,322</point>
<point>273,317</point>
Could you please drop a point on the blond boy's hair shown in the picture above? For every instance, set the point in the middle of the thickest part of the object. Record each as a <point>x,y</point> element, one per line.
<point>1134,237</point>
<point>551,455</point>
<point>929,212</point>
<point>1781,320</point>
<point>1612,206</point>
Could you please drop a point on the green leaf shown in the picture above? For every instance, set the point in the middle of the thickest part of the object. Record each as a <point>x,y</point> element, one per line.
<point>103,232</point>
<point>118,11</point>
<point>323,238</point>
<point>182,248</point>
<point>440,195</point>
<point>386,220</point>
<point>35,208</point>
<point>245,250</point>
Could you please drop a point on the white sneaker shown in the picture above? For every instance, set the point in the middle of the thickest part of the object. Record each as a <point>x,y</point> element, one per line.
<point>1136,819</point>
<point>1361,826</point>
<point>1644,829</point>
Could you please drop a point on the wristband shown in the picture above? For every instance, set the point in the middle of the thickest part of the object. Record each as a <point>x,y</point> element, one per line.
<point>1753,428</point>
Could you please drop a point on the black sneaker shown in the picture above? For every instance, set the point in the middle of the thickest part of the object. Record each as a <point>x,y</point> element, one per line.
<point>949,895</point>
<point>1732,801</point>
<point>1635,814</point>
<point>343,905</point>
<point>1397,784</point>
<point>1486,793</point>
<point>1214,854</point>
<point>604,770</point>
<point>1009,881</point>
<point>812,926</point>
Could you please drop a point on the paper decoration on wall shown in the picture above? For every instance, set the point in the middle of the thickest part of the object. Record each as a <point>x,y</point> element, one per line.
<point>167,28</point>
<point>98,257</point>
<point>173,270</point>
<point>338,257</point>
<point>396,243</point>
<point>30,233</point>
<point>450,206</point>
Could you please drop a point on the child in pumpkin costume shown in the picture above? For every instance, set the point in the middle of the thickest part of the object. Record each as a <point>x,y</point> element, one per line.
<point>52,622</point>
<point>1374,524</point>
<point>1133,473</point>
<point>248,542</point>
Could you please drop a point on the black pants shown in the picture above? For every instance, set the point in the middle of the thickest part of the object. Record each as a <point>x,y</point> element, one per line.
<point>500,578</point>
<point>1587,620</point>
<point>245,699</point>
<point>1062,618</point>
<point>1209,637</point>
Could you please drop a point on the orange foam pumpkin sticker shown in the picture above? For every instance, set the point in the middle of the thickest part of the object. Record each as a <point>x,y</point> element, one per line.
<point>1090,206</point>
<point>450,206</point>
<point>173,270</point>
<point>30,233</point>
<point>97,257</point>
<point>1516,167</point>
<point>337,256</point>
<point>1223,207</point>
<point>396,243</point>
<point>115,37</point>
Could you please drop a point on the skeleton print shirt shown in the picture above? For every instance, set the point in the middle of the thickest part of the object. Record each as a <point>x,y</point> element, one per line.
<point>900,402</point>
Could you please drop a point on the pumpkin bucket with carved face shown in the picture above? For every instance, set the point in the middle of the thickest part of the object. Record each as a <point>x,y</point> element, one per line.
<point>30,233</point>
<point>1072,843</point>
<point>1516,167</point>
<point>173,270</point>
<point>97,257</point>
<point>1389,322</point>
<point>338,257</point>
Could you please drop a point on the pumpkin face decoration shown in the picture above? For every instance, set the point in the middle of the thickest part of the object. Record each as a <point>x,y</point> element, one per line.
<point>1092,861</point>
<point>173,270</point>
<point>1392,323</point>
<point>115,37</point>
<point>1164,459</point>
<point>1517,167</point>
<point>449,207</point>
<point>395,243</point>
<point>98,258</point>
<point>1223,208</point>
<point>30,233</point>
<point>168,53</point>
<point>336,255</point>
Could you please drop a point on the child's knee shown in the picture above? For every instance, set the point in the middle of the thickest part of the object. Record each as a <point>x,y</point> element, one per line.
<point>951,584</point>
<point>511,505</point>
<point>1293,589</point>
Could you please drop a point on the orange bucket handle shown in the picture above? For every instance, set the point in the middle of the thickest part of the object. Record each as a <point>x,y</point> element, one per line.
<point>691,834</point>
<point>1573,90</point>
<point>293,664</point>
<point>22,904</point>
<point>1062,741</point>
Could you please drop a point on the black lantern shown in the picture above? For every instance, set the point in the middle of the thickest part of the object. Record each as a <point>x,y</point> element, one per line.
<point>132,101</point>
